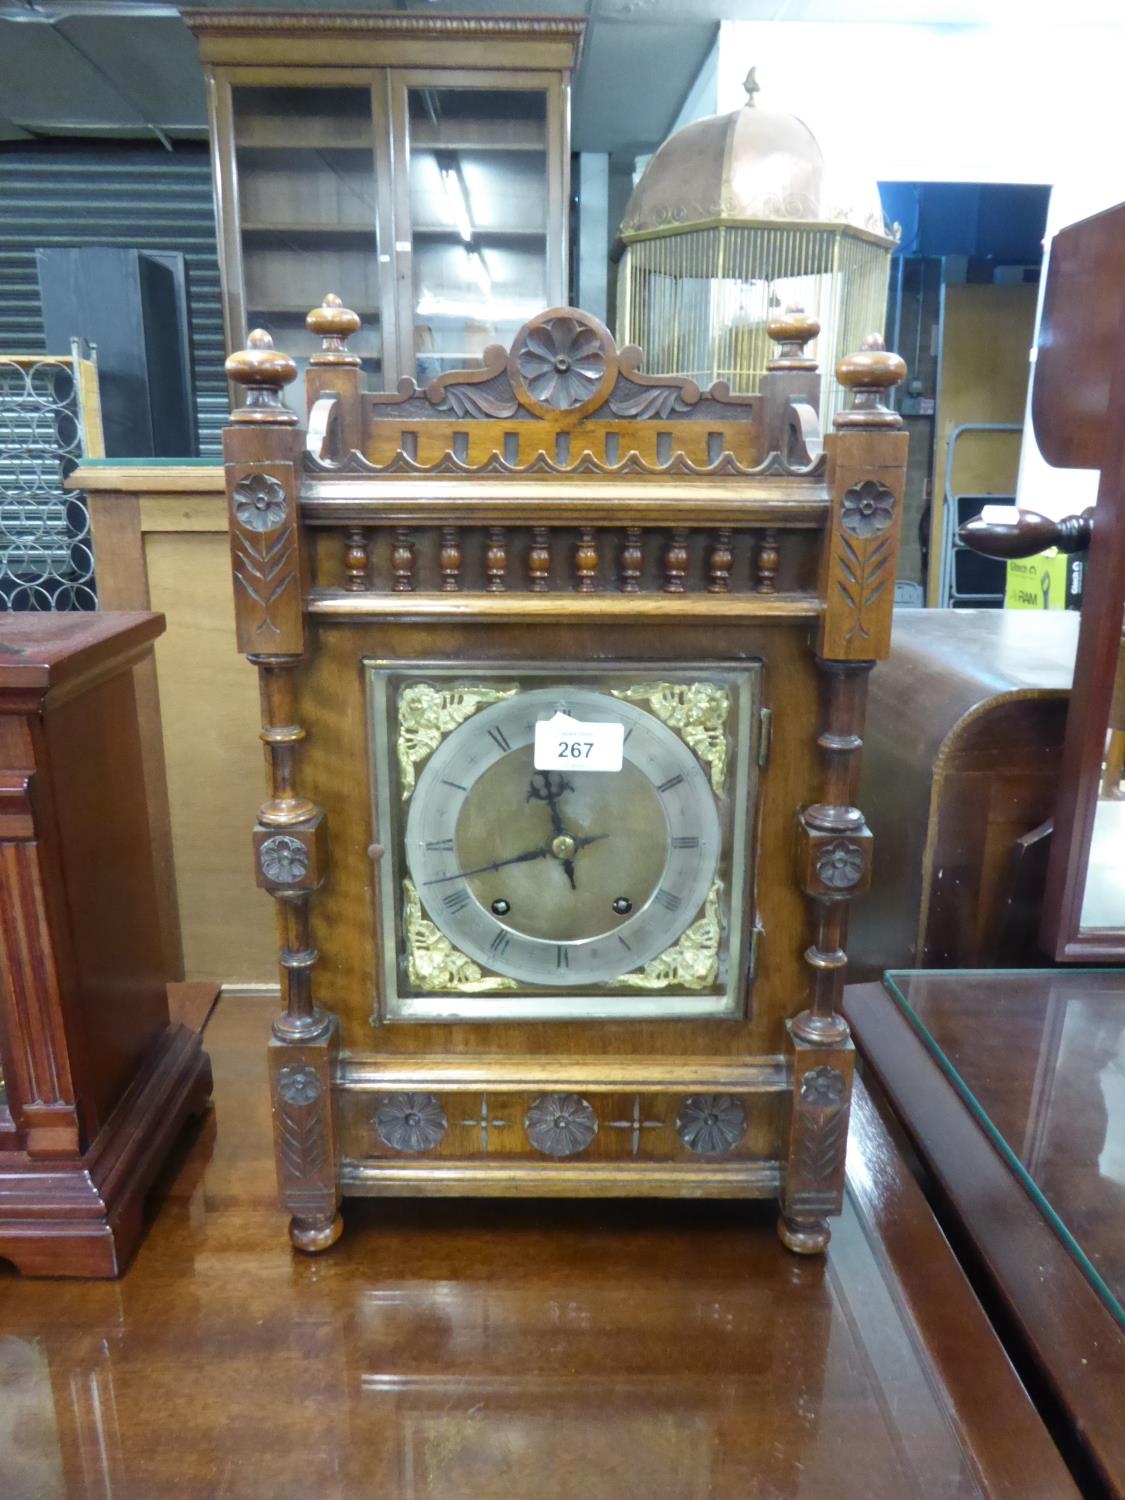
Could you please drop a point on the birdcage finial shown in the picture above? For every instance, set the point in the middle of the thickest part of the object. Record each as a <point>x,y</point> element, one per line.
<point>752,86</point>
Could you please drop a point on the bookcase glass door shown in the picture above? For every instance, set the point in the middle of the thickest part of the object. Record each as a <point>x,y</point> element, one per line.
<point>479,212</point>
<point>308,212</point>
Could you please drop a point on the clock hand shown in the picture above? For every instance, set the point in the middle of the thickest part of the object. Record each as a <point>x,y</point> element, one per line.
<point>553,788</point>
<point>522,859</point>
<point>516,859</point>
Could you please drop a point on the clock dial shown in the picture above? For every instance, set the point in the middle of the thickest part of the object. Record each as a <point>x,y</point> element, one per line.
<point>561,878</point>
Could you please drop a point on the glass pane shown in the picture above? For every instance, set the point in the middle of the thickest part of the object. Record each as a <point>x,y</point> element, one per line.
<point>1103,900</point>
<point>306,193</point>
<point>478,200</point>
<point>1039,1058</point>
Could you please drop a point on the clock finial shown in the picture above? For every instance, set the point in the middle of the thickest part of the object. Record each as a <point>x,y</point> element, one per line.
<point>752,86</point>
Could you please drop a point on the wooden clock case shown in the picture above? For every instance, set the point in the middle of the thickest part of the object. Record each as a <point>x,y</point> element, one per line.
<point>559,506</point>
<point>96,1080</point>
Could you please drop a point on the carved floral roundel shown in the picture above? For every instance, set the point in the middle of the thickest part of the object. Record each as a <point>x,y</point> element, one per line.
<point>562,361</point>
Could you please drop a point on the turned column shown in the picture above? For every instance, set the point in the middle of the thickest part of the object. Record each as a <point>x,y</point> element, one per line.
<point>269,559</point>
<point>857,576</point>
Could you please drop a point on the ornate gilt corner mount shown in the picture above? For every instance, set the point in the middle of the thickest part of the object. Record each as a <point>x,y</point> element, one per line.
<point>690,964</point>
<point>433,963</point>
<point>698,711</point>
<point>427,714</point>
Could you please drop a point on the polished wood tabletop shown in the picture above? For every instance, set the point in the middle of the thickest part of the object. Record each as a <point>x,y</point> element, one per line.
<point>495,1351</point>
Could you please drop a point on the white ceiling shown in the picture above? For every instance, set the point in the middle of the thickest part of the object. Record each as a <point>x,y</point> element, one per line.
<point>128,68</point>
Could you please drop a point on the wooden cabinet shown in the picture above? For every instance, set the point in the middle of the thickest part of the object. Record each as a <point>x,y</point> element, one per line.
<point>416,166</point>
<point>965,729</point>
<point>95,1082</point>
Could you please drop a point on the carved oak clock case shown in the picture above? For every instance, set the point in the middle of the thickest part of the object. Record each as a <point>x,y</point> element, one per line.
<point>563,672</point>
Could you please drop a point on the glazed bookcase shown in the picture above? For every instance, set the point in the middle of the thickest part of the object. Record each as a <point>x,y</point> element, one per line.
<point>418,164</point>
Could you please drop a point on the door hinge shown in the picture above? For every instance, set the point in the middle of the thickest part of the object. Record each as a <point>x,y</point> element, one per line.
<point>755,951</point>
<point>765,734</point>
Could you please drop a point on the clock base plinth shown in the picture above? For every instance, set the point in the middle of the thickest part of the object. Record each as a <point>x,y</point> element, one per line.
<point>314,1235</point>
<point>804,1235</point>
<point>83,1213</point>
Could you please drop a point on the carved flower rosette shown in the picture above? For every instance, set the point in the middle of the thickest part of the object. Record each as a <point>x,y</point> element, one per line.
<point>259,502</point>
<point>840,865</point>
<point>868,509</point>
<point>823,1088</point>
<point>284,860</point>
<point>298,1084</point>
<point>411,1123</point>
<point>711,1124</point>
<point>560,1124</point>
<point>562,363</point>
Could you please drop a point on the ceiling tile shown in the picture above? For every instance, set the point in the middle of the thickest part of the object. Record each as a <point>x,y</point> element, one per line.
<point>46,85</point>
<point>633,78</point>
<point>154,62</point>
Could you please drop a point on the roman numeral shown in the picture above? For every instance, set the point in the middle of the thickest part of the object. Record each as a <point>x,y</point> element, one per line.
<point>456,784</point>
<point>456,900</point>
<point>624,944</point>
<point>668,900</point>
<point>666,786</point>
<point>445,846</point>
<point>686,841</point>
<point>499,739</point>
<point>499,944</point>
<point>562,957</point>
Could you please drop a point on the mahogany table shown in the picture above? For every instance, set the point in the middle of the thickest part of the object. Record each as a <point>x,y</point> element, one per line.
<point>539,1350</point>
<point>1011,1087</point>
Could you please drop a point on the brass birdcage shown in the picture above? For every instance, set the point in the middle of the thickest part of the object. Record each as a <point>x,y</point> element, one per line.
<point>735,219</point>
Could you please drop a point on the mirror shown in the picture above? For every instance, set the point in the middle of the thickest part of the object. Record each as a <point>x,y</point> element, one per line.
<point>1078,396</point>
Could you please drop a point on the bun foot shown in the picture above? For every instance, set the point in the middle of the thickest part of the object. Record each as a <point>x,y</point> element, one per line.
<point>314,1235</point>
<point>804,1235</point>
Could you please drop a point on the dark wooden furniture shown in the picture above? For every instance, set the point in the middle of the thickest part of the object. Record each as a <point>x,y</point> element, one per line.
<point>1078,395</point>
<point>560,518</point>
<point>96,1082</point>
<point>132,306</point>
<point>419,163</point>
<point>476,1349</point>
<point>1010,1088</point>
<point>965,726</point>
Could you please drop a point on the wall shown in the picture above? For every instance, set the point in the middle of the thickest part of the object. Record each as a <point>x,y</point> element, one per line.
<point>1026,103</point>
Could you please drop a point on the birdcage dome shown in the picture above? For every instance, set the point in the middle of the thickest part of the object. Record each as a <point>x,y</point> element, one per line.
<point>733,220</point>
<point>752,166</point>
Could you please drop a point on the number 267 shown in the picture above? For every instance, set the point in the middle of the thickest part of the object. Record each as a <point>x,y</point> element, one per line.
<point>575,749</point>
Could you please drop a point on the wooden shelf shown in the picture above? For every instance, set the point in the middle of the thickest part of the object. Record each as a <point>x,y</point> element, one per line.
<point>450,231</point>
<point>298,229</point>
<point>259,136</point>
<point>478,135</point>
<point>369,315</point>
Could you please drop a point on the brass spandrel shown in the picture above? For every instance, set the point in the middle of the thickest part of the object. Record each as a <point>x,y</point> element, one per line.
<point>697,711</point>
<point>427,714</point>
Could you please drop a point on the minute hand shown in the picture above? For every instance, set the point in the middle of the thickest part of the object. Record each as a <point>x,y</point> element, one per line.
<point>516,859</point>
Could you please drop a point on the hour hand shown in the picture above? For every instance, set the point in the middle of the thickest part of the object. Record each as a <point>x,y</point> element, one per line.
<point>548,787</point>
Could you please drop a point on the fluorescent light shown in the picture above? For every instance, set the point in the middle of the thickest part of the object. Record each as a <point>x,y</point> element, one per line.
<point>458,208</point>
<point>478,272</point>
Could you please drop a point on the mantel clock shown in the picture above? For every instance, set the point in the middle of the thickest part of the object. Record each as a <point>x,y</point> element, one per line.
<point>563,673</point>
